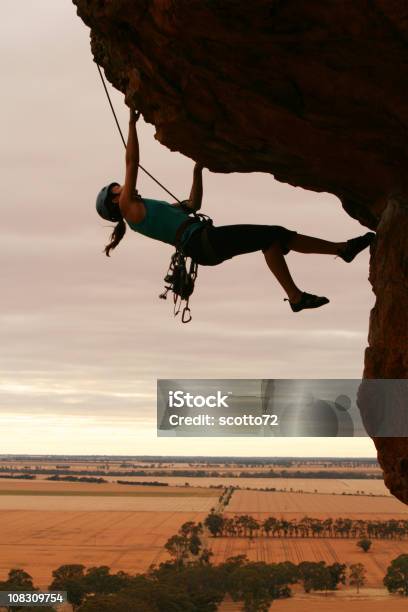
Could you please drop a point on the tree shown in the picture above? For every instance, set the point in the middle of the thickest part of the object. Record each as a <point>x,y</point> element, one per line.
<point>252,525</point>
<point>269,524</point>
<point>192,532</point>
<point>178,546</point>
<point>396,578</point>
<point>100,580</point>
<point>70,578</point>
<point>250,584</point>
<point>282,575</point>
<point>214,523</point>
<point>357,575</point>
<point>364,544</point>
<point>158,590</point>
<point>205,556</point>
<point>257,584</point>
<point>187,547</point>
<point>144,594</point>
<point>19,580</point>
<point>315,576</point>
<point>196,587</point>
<point>338,574</point>
<point>232,563</point>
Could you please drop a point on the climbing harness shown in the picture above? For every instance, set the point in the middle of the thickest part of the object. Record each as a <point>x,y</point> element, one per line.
<point>181,276</point>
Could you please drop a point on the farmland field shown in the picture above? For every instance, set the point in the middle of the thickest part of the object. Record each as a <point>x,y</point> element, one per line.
<point>44,524</point>
<point>50,487</point>
<point>49,495</point>
<point>83,503</point>
<point>331,550</point>
<point>40,541</point>
<point>253,502</point>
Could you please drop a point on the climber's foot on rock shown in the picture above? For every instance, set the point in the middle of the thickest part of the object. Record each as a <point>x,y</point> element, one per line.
<point>308,300</point>
<point>354,246</point>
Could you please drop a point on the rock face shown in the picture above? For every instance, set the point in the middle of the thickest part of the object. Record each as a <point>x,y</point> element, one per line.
<point>387,353</point>
<point>315,93</point>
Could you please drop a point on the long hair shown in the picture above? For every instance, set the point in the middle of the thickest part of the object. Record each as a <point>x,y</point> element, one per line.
<point>118,232</point>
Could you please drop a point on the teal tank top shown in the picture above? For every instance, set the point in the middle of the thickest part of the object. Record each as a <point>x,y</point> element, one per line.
<point>162,221</point>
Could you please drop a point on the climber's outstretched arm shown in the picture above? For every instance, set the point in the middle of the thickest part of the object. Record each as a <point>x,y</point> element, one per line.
<point>131,209</point>
<point>196,194</point>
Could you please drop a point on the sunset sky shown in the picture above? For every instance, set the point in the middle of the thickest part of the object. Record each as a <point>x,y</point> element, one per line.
<point>84,338</point>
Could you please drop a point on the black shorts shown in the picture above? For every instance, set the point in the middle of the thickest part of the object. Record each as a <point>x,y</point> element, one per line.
<point>228,241</point>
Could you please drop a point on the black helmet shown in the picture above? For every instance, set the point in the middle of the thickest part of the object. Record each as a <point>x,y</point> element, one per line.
<point>104,205</point>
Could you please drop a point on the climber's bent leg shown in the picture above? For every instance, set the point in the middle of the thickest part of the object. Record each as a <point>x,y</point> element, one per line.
<point>309,244</point>
<point>230,240</point>
<point>273,240</point>
<point>278,266</point>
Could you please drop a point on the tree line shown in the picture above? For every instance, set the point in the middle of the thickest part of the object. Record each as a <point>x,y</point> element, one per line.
<point>245,525</point>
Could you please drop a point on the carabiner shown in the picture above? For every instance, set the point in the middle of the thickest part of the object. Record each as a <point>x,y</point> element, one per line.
<point>186,312</point>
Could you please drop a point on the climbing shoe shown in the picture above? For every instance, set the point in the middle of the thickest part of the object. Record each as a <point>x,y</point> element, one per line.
<point>308,300</point>
<point>355,246</point>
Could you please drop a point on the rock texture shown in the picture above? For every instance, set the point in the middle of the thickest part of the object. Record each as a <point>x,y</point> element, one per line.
<point>315,93</point>
<point>387,353</point>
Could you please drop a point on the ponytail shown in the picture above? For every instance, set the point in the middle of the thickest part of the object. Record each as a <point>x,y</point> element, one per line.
<point>116,236</point>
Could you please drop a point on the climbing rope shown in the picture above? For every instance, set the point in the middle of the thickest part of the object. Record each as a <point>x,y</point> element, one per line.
<point>123,140</point>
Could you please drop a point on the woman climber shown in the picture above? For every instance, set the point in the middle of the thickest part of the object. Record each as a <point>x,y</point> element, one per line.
<point>206,244</point>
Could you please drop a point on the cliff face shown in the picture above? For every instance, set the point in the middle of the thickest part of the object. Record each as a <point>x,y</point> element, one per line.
<point>315,93</point>
<point>387,353</point>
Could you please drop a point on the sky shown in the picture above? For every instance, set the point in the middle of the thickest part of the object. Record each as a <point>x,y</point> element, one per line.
<point>84,338</point>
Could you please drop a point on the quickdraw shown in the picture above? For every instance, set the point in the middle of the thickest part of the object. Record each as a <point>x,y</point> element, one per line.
<point>180,279</point>
<point>181,276</point>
